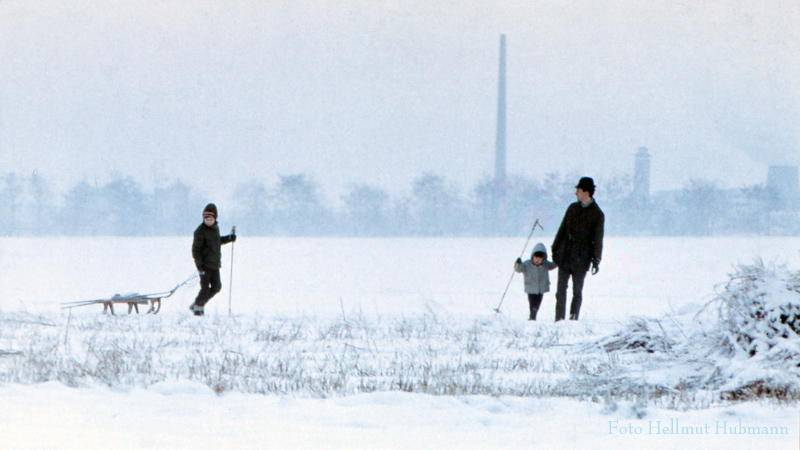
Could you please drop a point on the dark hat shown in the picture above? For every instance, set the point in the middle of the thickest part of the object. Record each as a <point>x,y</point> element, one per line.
<point>210,209</point>
<point>586,184</point>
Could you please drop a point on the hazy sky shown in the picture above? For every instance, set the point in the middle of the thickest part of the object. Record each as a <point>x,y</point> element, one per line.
<point>218,92</point>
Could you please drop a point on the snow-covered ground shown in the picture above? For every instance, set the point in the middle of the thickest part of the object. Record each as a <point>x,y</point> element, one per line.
<point>638,276</point>
<point>190,416</point>
<point>376,284</point>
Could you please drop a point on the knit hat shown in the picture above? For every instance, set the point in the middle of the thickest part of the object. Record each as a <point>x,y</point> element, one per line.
<point>210,210</point>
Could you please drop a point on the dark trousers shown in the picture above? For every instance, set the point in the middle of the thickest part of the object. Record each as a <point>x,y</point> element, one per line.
<point>210,285</point>
<point>578,277</point>
<point>535,300</point>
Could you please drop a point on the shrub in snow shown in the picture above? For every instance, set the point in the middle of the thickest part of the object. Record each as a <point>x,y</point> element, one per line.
<point>640,333</point>
<point>760,310</point>
<point>744,344</point>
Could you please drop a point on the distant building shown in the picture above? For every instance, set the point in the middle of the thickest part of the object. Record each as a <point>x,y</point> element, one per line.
<point>702,208</point>
<point>641,177</point>
<point>783,181</point>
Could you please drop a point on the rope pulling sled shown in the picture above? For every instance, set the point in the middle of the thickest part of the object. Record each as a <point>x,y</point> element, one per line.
<point>132,300</point>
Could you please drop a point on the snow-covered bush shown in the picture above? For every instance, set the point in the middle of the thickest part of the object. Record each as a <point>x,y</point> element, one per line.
<point>760,310</point>
<point>744,344</point>
<point>640,333</point>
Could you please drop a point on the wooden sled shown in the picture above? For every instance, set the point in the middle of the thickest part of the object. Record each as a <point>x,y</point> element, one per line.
<point>133,303</point>
<point>132,300</point>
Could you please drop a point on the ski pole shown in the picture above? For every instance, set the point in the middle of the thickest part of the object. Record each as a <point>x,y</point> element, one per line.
<point>535,224</point>
<point>230,287</point>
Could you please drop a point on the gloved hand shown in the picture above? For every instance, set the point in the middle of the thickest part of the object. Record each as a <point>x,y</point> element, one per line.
<point>519,261</point>
<point>595,267</point>
<point>233,238</point>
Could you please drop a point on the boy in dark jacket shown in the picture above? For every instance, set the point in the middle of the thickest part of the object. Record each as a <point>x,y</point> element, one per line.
<point>207,254</point>
<point>537,280</point>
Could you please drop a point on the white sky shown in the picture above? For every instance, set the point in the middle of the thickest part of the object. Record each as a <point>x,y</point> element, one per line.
<point>218,92</point>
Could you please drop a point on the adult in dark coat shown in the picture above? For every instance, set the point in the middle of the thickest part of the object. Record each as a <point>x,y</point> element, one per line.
<point>577,246</point>
<point>207,254</point>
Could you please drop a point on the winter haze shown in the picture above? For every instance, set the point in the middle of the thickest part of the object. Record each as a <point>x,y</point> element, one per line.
<point>217,93</point>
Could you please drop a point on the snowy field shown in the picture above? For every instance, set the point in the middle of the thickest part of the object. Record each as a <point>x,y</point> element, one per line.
<point>374,343</point>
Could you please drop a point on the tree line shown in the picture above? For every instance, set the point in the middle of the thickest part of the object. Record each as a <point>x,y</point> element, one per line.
<point>295,205</point>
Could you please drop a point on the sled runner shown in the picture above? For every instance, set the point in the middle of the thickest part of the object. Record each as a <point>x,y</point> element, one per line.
<point>132,300</point>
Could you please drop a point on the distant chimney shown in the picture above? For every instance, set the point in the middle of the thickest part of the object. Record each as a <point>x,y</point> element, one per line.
<point>500,143</point>
<point>641,175</point>
<point>784,181</point>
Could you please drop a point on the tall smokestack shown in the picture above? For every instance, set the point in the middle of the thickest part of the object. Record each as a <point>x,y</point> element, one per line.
<point>500,143</point>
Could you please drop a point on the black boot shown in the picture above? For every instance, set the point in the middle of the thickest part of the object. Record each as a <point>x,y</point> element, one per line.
<point>197,310</point>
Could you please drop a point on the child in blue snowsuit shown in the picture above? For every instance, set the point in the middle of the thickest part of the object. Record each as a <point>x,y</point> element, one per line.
<point>537,280</point>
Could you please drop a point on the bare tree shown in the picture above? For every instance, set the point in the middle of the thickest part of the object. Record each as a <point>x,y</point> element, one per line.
<point>366,211</point>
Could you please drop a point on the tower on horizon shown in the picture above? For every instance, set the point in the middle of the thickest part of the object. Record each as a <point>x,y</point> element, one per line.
<point>641,176</point>
<point>500,143</point>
